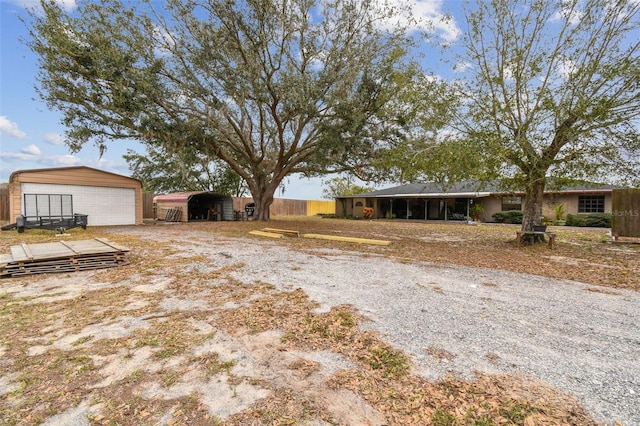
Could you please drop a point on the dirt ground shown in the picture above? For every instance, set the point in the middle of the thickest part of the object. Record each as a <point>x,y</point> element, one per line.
<point>169,339</point>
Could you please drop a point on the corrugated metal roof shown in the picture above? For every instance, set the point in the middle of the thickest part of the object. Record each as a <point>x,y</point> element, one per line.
<point>182,197</point>
<point>57,169</point>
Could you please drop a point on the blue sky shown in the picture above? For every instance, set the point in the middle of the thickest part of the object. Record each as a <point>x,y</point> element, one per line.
<point>31,135</point>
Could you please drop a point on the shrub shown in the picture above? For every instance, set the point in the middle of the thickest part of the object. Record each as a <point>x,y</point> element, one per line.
<point>575,220</point>
<point>511,216</point>
<point>595,220</point>
<point>599,220</point>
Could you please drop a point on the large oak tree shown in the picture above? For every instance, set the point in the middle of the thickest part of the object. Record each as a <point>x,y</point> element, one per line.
<point>544,93</point>
<point>551,91</point>
<point>269,87</point>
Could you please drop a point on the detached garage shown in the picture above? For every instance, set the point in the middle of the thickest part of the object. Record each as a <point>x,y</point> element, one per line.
<point>107,198</point>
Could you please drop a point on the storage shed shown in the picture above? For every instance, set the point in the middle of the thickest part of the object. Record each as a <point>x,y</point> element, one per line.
<point>106,198</point>
<point>193,206</point>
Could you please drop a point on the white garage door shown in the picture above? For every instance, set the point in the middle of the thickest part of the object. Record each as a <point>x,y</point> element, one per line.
<point>104,205</point>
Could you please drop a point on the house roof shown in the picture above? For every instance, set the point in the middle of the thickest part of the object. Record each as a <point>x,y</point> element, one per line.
<point>467,189</point>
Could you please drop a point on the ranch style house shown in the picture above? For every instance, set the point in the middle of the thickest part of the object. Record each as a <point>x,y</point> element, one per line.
<point>430,201</point>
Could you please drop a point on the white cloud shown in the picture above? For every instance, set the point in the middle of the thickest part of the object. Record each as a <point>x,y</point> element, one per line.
<point>31,150</point>
<point>10,128</point>
<point>67,5</point>
<point>567,68</point>
<point>424,15</point>
<point>54,139</point>
<point>462,67</point>
<point>45,160</point>
<point>431,12</point>
<point>572,16</point>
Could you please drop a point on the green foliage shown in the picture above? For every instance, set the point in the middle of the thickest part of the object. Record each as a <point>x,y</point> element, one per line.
<point>392,362</point>
<point>599,220</point>
<point>476,209</point>
<point>595,220</point>
<point>442,418</point>
<point>576,220</point>
<point>270,88</point>
<point>342,187</point>
<point>558,210</point>
<point>511,216</point>
<point>163,171</point>
<point>551,91</point>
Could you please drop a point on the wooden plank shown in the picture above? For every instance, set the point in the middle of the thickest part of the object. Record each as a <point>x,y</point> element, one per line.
<point>18,252</point>
<point>95,246</point>
<point>282,231</point>
<point>111,244</point>
<point>265,234</point>
<point>68,246</point>
<point>347,239</point>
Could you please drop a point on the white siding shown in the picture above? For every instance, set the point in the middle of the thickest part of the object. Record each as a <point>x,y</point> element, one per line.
<point>104,205</point>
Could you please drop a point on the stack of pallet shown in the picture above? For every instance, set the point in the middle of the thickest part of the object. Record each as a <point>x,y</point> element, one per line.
<point>69,256</point>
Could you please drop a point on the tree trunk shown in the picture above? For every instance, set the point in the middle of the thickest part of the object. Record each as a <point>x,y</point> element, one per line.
<point>262,191</point>
<point>532,214</point>
<point>263,203</point>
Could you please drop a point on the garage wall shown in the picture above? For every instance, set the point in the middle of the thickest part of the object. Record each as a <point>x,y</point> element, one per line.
<point>104,205</point>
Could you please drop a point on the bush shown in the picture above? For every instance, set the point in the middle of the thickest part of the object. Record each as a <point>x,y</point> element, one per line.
<point>595,220</point>
<point>574,220</point>
<point>599,220</point>
<point>511,216</point>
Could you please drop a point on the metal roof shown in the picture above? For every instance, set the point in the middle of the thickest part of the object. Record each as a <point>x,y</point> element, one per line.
<point>68,168</point>
<point>183,197</point>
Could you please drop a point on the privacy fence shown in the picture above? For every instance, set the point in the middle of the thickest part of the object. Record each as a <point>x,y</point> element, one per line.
<point>288,207</point>
<point>280,206</point>
<point>625,209</point>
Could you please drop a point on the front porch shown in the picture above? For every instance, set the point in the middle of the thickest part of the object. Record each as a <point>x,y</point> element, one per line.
<point>424,208</point>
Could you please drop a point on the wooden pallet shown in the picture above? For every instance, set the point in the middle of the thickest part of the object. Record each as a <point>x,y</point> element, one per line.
<point>62,256</point>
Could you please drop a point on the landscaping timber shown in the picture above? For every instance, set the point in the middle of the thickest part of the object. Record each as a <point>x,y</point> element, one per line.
<point>287,232</point>
<point>347,239</point>
<point>265,234</point>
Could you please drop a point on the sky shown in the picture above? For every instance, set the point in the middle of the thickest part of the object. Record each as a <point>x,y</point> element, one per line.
<point>31,135</point>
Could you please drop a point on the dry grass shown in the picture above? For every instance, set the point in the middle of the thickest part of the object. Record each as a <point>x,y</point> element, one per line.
<point>582,254</point>
<point>49,382</point>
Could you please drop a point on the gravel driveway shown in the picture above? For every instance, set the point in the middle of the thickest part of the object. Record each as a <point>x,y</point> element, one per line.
<point>452,320</point>
<point>582,339</point>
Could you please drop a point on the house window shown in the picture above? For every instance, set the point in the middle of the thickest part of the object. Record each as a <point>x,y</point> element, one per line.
<point>359,204</point>
<point>591,204</point>
<point>511,203</point>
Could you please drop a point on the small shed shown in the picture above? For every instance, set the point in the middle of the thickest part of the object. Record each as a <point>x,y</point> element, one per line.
<point>106,198</point>
<point>193,206</point>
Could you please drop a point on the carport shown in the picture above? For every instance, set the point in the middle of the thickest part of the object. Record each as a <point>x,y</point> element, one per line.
<point>193,206</point>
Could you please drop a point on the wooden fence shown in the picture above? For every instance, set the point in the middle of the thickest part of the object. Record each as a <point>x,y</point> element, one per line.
<point>625,209</point>
<point>280,206</point>
<point>147,205</point>
<point>4,204</point>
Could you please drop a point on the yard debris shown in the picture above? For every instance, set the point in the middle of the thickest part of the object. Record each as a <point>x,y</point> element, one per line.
<point>71,256</point>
